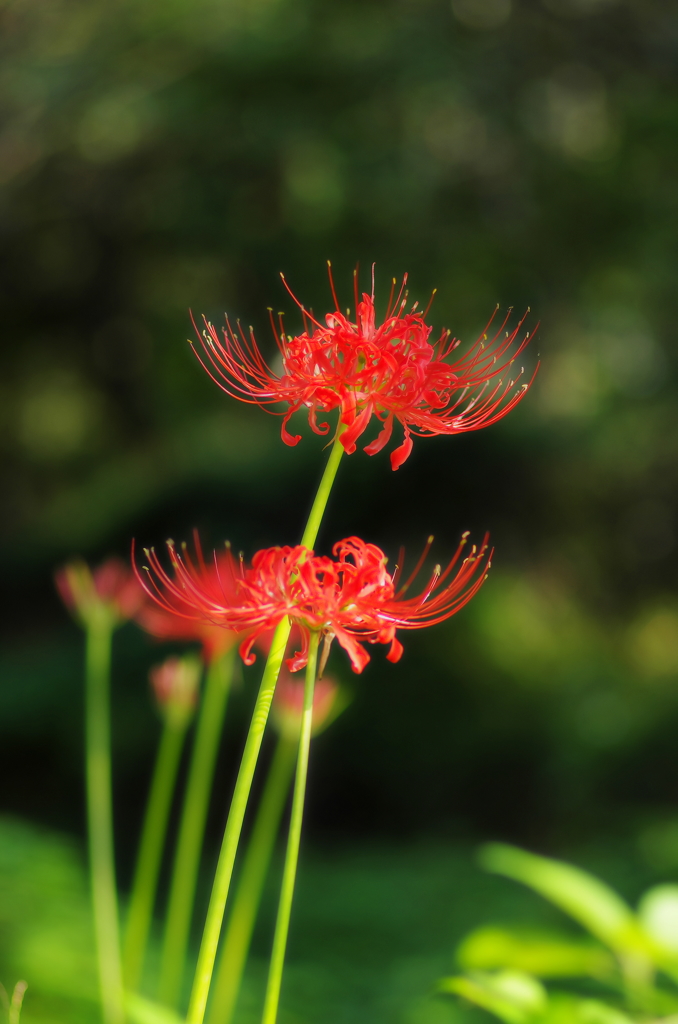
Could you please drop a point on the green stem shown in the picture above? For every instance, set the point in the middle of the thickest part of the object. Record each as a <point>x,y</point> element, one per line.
<point>282,924</point>
<point>100,817</point>
<point>310,534</point>
<point>152,843</point>
<point>192,828</point>
<point>236,943</point>
<point>236,814</point>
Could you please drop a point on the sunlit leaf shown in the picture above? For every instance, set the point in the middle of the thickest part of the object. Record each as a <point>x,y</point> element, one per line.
<point>588,900</point>
<point>568,1009</point>
<point>539,953</point>
<point>514,997</point>
<point>658,913</point>
<point>591,1011</point>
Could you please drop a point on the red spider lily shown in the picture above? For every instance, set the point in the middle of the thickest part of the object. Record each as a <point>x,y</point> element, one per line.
<point>177,621</point>
<point>111,589</point>
<point>351,597</point>
<point>391,371</point>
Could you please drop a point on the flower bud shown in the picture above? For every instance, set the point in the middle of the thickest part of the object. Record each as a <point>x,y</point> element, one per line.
<point>175,684</point>
<point>109,592</point>
<point>288,704</point>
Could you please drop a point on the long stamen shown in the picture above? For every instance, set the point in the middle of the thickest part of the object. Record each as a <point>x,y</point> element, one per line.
<point>430,302</point>
<point>413,574</point>
<point>334,294</point>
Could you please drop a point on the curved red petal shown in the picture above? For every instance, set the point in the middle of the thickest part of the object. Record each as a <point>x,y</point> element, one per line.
<point>401,454</point>
<point>382,438</point>
<point>289,439</point>
<point>395,651</point>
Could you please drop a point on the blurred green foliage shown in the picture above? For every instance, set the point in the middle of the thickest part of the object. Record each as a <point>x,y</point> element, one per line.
<point>634,963</point>
<point>374,929</point>
<point>167,155</point>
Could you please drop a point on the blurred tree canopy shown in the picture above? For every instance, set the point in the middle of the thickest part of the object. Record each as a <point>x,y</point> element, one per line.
<point>169,155</point>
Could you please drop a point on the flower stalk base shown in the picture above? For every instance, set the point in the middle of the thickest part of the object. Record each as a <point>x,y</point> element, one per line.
<point>255,867</point>
<point>100,816</point>
<point>236,815</point>
<point>282,925</point>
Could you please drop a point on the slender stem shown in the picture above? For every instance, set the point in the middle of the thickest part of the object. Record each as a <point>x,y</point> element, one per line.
<point>100,817</point>
<point>282,924</point>
<point>236,814</point>
<point>192,828</point>
<point>325,486</point>
<point>236,943</point>
<point>145,884</point>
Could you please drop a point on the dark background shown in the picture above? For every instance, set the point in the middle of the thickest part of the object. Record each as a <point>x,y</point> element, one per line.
<point>167,155</point>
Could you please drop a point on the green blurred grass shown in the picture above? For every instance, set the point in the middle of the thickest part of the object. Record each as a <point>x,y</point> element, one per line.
<point>373,930</point>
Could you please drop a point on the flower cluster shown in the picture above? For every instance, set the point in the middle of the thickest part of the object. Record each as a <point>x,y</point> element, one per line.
<point>350,596</point>
<point>391,371</point>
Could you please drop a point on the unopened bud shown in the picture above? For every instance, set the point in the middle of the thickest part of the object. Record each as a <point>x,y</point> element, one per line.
<point>175,684</point>
<point>288,704</point>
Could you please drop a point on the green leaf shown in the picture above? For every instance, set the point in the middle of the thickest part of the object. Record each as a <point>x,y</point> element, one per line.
<point>514,997</point>
<point>591,1011</point>
<point>143,1011</point>
<point>588,900</point>
<point>534,952</point>
<point>568,1009</point>
<point>658,913</point>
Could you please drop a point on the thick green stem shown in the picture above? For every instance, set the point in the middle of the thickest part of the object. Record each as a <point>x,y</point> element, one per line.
<point>192,828</point>
<point>145,884</point>
<point>310,534</point>
<point>100,817</point>
<point>236,943</point>
<point>236,814</point>
<point>282,924</point>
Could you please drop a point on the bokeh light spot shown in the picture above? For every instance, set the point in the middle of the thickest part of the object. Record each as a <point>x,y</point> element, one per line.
<point>570,111</point>
<point>59,417</point>
<point>112,126</point>
<point>482,14</point>
<point>654,642</point>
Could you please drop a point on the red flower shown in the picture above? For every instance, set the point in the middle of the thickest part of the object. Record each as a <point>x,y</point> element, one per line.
<point>351,596</point>
<point>111,589</point>
<point>391,371</point>
<point>175,619</point>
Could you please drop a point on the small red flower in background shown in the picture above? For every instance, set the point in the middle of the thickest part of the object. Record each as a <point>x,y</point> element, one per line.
<point>288,704</point>
<point>175,684</point>
<point>351,597</point>
<point>111,589</point>
<point>176,620</point>
<point>390,371</point>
